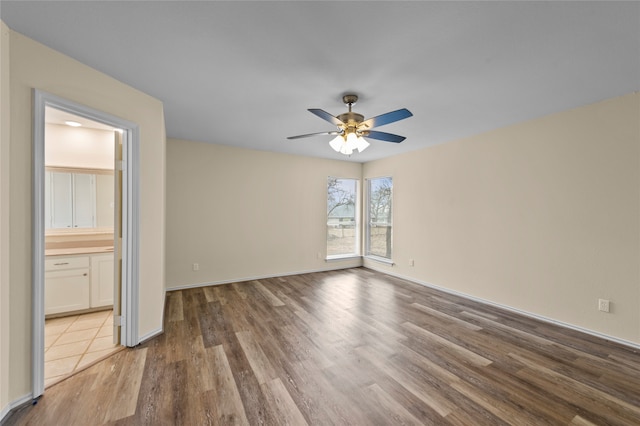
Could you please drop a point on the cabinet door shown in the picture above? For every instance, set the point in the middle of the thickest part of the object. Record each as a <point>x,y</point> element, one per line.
<point>84,200</point>
<point>61,200</point>
<point>66,291</point>
<point>101,280</point>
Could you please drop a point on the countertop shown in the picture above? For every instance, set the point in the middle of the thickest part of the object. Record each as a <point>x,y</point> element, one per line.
<point>67,251</point>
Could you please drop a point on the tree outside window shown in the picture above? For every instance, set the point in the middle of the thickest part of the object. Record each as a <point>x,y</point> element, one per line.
<point>379,215</point>
<point>342,224</point>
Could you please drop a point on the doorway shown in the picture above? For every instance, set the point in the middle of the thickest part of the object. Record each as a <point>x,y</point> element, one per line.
<point>77,211</point>
<point>80,213</point>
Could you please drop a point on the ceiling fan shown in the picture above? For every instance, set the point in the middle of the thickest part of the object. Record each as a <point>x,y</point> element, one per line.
<point>352,127</point>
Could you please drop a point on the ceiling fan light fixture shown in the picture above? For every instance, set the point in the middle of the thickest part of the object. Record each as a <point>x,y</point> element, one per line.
<point>351,140</point>
<point>337,143</point>
<point>351,127</point>
<point>349,143</point>
<point>361,144</point>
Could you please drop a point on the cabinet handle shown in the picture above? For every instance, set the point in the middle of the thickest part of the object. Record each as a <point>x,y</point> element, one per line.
<point>61,263</point>
<point>85,274</point>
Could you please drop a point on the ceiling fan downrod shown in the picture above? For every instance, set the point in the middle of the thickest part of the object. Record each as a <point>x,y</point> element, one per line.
<point>350,119</point>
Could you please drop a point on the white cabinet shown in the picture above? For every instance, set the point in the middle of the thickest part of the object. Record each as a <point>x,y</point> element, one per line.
<point>74,283</point>
<point>101,280</point>
<point>70,200</point>
<point>84,200</point>
<point>66,284</point>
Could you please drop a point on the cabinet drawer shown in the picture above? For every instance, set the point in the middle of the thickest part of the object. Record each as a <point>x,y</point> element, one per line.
<point>66,291</point>
<point>56,263</point>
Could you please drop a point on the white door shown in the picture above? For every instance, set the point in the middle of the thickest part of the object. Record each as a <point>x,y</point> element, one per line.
<point>117,243</point>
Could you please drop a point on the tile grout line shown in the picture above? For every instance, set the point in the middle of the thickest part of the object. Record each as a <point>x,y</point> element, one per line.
<point>85,351</point>
<point>91,342</point>
<point>59,335</point>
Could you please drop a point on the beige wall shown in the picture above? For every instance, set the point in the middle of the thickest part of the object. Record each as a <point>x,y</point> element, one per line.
<point>241,214</point>
<point>33,65</point>
<point>542,216</point>
<point>5,397</point>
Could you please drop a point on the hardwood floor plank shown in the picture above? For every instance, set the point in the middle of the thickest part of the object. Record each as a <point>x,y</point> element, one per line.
<point>447,345</point>
<point>348,347</point>
<point>270,297</point>
<point>260,364</point>
<point>127,387</point>
<point>446,317</point>
<point>421,390</point>
<point>579,421</point>
<point>174,311</point>
<point>574,391</point>
<point>227,398</point>
<point>286,410</point>
<point>391,407</point>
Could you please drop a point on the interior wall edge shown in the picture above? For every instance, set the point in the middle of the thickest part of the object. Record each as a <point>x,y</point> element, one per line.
<point>5,256</point>
<point>14,405</point>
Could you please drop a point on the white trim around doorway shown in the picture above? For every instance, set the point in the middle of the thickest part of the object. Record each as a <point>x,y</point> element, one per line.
<point>130,224</point>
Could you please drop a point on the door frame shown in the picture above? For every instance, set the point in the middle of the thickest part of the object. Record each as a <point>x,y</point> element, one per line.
<point>130,224</point>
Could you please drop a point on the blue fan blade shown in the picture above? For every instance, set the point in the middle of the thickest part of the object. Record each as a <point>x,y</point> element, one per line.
<point>313,134</point>
<point>382,136</point>
<point>387,118</point>
<point>325,116</point>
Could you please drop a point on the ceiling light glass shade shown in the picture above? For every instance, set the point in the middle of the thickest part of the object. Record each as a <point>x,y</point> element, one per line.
<point>352,140</point>
<point>361,144</point>
<point>337,143</point>
<point>346,145</point>
<point>341,145</point>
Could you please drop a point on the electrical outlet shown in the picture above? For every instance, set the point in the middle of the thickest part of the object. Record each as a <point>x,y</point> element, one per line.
<point>603,305</point>
<point>196,267</point>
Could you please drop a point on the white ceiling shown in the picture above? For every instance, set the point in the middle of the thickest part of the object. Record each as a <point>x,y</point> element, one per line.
<point>244,73</point>
<point>56,116</point>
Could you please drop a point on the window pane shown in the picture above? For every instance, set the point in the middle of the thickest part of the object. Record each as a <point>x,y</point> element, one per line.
<point>341,216</point>
<point>379,217</point>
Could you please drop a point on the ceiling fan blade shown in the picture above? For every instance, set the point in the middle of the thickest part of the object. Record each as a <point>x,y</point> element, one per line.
<point>382,136</point>
<point>314,134</point>
<point>326,116</point>
<point>387,118</point>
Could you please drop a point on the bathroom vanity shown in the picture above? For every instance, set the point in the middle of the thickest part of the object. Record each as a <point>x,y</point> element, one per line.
<point>78,279</point>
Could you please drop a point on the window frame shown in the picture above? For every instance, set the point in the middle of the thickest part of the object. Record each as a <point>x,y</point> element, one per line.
<point>367,223</point>
<point>357,222</point>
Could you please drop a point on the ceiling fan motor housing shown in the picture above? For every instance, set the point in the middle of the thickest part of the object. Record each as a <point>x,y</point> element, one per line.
<point>350,99</point>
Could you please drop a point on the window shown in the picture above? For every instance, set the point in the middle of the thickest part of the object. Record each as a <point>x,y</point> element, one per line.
<point>342,217</point>
<point>379,214</point>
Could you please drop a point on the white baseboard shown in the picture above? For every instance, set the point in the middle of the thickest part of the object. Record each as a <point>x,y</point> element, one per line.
<point>261,277</point>
<point>151,334</point>
<point>15,404</point>
<point>511,309</point>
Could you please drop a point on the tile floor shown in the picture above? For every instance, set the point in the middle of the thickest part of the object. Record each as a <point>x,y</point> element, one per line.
<point>74,342</point>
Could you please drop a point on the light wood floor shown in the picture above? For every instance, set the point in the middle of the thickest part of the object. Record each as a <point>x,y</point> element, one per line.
<point>348,347</point>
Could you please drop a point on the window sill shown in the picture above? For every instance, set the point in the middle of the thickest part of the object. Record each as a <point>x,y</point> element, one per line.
<point>380,260</point>
<point>342,257</point>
